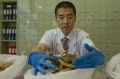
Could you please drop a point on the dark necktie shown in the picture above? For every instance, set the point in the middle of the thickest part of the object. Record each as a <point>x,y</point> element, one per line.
<point>65,43</point>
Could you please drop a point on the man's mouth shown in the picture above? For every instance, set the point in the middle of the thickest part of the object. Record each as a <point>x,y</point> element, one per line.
<point>65,26</point>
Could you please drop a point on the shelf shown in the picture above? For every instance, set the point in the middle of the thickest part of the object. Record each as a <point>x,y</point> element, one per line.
<point>8,20</point>
<point>9,1</point>
<point>8,40</point>
<point>8,24</point>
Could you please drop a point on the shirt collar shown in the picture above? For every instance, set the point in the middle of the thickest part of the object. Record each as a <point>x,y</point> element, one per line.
<point>69,36</point>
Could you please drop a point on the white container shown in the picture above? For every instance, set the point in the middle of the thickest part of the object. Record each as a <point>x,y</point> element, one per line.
<point>15,69</point>
<point>73,74</point>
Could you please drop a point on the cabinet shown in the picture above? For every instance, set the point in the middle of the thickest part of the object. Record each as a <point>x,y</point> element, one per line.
<point>8,26</point>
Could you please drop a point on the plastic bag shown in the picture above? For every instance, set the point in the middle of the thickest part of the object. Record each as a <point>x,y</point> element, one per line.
<point>72,74</point>
<point>113,67</point>
<point>15,69</point>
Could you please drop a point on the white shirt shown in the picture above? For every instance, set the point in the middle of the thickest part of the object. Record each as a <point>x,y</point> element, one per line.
<point>77,39</point>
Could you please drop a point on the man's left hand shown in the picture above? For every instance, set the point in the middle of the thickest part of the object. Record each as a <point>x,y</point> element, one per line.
<point>92,59</point>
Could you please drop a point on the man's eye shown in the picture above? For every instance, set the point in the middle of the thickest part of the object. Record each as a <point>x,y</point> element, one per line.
<point>60,17</point>
<point>69,16</point>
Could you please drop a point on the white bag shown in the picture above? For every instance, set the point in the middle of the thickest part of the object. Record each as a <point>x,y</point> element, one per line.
<point>73,74</point>
<point>113,67</point>
<point>15,69</point>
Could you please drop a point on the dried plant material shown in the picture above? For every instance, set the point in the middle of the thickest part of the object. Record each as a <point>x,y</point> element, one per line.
<point>67,58</point>
<point>64,63</point>
<point>4,65</point>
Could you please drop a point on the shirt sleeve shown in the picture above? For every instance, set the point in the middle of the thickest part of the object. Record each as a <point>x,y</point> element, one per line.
<point>46,39</point>
<point>87,40</point>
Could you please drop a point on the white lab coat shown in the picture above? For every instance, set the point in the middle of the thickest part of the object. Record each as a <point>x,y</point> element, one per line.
<point>77,39</point>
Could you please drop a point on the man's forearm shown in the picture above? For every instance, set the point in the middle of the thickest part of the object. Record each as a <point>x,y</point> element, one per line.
<point>40,47</point>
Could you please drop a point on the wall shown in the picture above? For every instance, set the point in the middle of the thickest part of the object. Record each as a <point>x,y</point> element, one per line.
<point>100,18</point>
<point>0,26</point>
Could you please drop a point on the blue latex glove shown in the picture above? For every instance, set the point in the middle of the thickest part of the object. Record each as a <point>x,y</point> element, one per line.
<point>92,59</point>
<point>38,61</point>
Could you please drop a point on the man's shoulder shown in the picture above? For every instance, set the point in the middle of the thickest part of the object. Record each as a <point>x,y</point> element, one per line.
<point>52,31</point>
<point>78,30</point>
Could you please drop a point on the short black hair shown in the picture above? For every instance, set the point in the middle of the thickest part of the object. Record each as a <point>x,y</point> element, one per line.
<point>65,4</point>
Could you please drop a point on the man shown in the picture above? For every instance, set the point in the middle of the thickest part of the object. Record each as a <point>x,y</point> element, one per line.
<point>65,38</point>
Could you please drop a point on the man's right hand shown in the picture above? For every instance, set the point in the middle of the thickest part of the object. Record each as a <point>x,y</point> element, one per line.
<point>38,61</point>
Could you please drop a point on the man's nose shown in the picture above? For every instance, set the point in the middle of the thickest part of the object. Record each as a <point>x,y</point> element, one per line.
<point>65,20</point>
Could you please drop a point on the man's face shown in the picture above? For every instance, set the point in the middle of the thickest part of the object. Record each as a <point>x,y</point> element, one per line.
<point>66,19</point>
